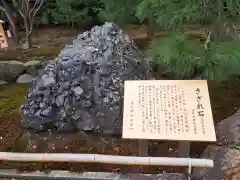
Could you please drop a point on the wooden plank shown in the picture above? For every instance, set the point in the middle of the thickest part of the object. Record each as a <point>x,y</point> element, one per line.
<point>184,149</point>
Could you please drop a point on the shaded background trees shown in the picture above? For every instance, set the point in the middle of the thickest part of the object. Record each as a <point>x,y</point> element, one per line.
<point>17,12</point>
<point>216,58</point>
<point>28,11</point>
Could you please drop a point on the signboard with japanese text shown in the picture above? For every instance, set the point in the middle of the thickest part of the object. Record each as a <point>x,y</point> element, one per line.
<point>168,110</point>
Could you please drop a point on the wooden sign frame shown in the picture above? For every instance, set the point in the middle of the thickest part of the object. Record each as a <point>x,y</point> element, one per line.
<point>168,110</point>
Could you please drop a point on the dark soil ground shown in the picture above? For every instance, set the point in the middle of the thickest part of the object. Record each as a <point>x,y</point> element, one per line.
<point>225,99</point>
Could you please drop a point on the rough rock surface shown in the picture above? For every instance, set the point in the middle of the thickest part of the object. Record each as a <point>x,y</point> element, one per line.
<point>226,163</point>
<point>25,78</point>
<point>93,175</point>
<point>2,82</point>
<point>83,87</point>
<point>132,176</point>
<point>45,63</point>
<point>32,67</point>
<point>10,70</point>
<point>225,153</point>
<point>228,130</point>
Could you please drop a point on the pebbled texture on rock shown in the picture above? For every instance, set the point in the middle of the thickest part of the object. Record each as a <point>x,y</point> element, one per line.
<point>225,153</point>
<point>82,89</point>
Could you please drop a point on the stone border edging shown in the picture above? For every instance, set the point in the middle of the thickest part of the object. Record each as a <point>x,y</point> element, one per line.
<point>13,174</point>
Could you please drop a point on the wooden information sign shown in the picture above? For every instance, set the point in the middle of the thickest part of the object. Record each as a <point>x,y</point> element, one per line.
<point>3,38</point>
<point>168,110</point>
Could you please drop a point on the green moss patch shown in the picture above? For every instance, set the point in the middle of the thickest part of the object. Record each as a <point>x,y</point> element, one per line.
<point>11,55</point>
<point>11,97</point>
<point>23,56</point>
<point>48,51</point>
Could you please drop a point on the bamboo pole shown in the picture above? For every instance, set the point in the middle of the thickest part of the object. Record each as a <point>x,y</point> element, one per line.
<point>107,159</point>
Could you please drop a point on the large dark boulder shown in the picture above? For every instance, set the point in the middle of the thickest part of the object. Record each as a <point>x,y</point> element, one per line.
<point>225,153</point>
<point>82,89</point>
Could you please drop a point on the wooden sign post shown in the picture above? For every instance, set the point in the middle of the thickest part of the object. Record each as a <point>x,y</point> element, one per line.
<point>168,110</point>
<point>3,38</point>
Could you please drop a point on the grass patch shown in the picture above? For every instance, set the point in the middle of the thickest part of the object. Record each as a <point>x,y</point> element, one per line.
<point>43,51</point>
<point>11,54</point>
<point>11,97</point>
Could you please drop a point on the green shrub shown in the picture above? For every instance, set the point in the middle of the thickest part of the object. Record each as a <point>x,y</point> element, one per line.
<point>222,61</point>
<point>176,54</point>
<point>69,12</point>
<point>190,58</point>
<point>118,11</point>
<point>73,13</point>
<point>168,13</point>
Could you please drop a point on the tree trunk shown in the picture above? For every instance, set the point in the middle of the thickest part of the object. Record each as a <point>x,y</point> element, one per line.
<point>29,39</point>
<point>150,31</point>
<point>13,27</point>
<point>27,26</point>
<point>15,34</point>
<point>221,29</point>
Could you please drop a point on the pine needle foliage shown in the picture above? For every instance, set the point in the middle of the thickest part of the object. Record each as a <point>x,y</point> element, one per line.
<point>169,13</point>
<point>218,60</point>
<point>174,13</point>
<point>189,58</point>
<point>177,54</point>
<point>222,61</point>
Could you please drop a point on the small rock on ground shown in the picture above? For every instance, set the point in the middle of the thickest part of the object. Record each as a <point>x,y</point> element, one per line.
<point>10,70</point>
<point>25,78</point>
<point>2,82</point>
<point>32,67</point>
<point>45,62</point>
